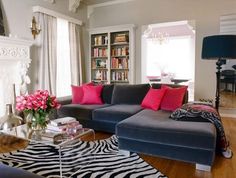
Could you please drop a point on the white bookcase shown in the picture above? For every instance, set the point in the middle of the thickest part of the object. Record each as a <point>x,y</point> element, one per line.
<point>111,54</point>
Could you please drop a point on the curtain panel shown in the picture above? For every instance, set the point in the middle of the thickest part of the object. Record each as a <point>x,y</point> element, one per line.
<point>47,53</point>
<point>75,54</point>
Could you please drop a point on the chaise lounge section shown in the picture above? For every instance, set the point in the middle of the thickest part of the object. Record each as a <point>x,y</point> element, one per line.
<point>154,133</point>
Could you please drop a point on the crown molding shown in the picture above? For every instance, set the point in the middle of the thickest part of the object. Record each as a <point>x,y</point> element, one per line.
<point>91,8</point>
<point>73,5</point>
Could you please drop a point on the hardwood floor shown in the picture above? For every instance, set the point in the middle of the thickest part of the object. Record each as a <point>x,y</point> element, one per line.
<point>222,168</point>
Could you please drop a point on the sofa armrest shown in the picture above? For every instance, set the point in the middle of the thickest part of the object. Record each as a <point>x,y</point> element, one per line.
<point>64,100</point>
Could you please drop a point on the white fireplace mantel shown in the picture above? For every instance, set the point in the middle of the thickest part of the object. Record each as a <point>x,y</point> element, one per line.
<point>14,64</point>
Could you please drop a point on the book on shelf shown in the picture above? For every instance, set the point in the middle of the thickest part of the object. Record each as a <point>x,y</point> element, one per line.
<point>99,52</point>
<point>120,63</point>
<point>100,40</point>
<point>119,76</point>
<point>120,51</point>
<point>100,75</point>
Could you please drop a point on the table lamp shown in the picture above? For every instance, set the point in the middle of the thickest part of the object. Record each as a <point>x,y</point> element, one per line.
<point>220,48</point>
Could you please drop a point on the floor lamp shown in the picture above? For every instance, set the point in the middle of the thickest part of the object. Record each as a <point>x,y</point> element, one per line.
<point>220,48</point>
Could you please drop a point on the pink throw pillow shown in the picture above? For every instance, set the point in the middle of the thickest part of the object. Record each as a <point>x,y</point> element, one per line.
<point>173,97</point>
<point>92,94</point>
<point>77,93</point>
<point>153,99</point>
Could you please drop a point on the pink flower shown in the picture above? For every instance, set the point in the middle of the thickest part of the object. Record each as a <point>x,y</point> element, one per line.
<point>39,100</point>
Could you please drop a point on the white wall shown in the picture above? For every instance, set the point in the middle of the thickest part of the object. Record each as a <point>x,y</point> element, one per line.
<point>206,13</point>
<point>18,15</point>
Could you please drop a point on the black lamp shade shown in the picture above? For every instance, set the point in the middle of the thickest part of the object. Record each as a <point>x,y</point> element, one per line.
<point>219,47</point>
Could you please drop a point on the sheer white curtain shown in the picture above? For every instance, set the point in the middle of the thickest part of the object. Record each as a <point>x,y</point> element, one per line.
<point>63,59</point>
<point>47,53</point>
<point>75,54</point>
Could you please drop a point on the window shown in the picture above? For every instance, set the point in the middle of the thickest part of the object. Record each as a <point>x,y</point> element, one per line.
<point>63,59</point>
<point>168,52</point>
<point>171,57</point>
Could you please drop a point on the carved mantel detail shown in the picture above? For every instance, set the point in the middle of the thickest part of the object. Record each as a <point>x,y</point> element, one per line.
<point>14,52</point>
<point>14,64</point>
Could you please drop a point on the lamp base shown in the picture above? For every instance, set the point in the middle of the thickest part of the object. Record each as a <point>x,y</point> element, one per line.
<point>219,63</point>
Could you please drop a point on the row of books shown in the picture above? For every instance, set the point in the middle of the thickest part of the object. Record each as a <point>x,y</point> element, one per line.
<point>99,52</point>
<point>100,40</point>
<point>100,75</point>
<point>122,76</point>
<point>120,63</point>
<point>120,51</point>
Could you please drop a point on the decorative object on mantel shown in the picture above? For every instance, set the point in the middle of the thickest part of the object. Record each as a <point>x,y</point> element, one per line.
<point>37,106</point>
<point>35,28</point>
<point>220,48</point>
<point>10,120</point>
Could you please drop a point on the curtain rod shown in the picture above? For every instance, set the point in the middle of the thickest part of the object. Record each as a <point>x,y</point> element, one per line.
<point>56,14</point>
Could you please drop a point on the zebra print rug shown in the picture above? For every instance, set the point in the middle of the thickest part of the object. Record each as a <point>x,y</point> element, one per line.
<point>85,159</point>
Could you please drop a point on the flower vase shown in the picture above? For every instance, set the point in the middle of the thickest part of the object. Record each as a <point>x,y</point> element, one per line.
<point>37,122</point>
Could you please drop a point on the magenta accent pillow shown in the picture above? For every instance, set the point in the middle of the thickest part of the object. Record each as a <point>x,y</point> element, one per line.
<point>173,97</point>
<point>153,99</point>
<point>92,94</point>
<point>77,93</point>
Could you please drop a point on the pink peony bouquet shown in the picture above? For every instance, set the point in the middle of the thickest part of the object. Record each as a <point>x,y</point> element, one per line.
<point>39,104</point>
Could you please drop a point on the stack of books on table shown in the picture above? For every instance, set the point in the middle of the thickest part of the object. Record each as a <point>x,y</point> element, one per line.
<point>57,129</point>
<point>61,124</point>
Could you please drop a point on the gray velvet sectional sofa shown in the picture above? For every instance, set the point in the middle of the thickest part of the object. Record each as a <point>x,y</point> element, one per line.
<point>145,131</point>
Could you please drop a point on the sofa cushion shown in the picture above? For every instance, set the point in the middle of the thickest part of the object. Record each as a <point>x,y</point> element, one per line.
<point>77,93</point>
<point>10,172</point>
<point>107,93</point>
<point>129,94</point>
<point>92,95</point>
<point>173,98</point>
<point>156,127</point>
<point>78,111</point>
<point>158,85</point>
<point>115,113</point>
<point>153,99</point>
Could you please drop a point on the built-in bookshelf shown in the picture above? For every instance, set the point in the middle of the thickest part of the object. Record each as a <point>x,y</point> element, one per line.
<point>99,57</point>
<point>119,57</point>
<point>112,54</point>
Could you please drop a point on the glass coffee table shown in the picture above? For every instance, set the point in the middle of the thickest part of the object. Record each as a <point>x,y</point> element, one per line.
<point>24,132</point>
